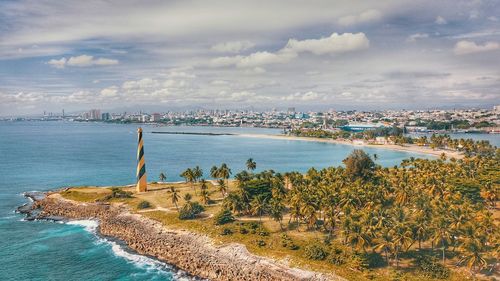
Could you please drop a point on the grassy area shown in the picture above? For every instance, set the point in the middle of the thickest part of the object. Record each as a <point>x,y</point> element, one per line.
<point>85,194</point>
<point>264,240</point>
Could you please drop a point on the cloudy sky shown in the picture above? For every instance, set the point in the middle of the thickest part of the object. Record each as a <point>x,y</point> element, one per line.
<point>168,55</point>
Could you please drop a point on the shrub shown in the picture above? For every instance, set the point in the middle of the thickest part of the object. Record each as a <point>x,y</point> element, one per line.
<point>375,260</point>
<point>359,261</point>
<point>223,217</point>
<point>261,243</point>
<point>243,230</point>
<point>337,255</point>
<point>190,210</point>
<point>315,251</point>
<point>286,242</point>
<point>263,232</point>
<point>226,231</point>
<point>144,205</point>
<point>117,192</point>
<point>254,225</point>
<point>431,268</point>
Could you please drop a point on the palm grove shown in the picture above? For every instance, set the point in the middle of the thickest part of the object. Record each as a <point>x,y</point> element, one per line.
<point>367,214</point>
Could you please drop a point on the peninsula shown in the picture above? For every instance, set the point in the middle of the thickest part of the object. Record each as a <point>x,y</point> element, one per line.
<point>425,219</point>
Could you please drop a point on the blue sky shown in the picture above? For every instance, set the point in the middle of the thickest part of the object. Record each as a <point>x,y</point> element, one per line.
<point>168,55</point>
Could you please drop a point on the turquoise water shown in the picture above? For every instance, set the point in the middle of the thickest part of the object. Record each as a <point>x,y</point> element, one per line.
<point>46,155</point>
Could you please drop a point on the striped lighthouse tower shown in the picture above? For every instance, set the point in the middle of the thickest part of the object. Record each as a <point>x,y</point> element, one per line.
<point>142,184</point>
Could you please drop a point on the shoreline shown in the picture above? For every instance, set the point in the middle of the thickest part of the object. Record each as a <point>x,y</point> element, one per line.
<point>193,253</point>
<point>407,148</point>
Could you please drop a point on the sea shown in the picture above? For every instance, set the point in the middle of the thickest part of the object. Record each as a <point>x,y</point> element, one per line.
<point>40,156</point>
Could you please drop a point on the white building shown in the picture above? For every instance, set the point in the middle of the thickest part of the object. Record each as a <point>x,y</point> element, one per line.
<point>155,117</point>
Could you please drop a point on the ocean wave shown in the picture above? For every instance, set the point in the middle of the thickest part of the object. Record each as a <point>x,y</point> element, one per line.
<point>88,225</point>
<point>149,264</point>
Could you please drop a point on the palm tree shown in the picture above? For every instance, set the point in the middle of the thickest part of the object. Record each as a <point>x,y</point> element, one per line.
<point>402,237</point>
<point>197,173</point>
<point>234,203</point>
<point>205,196</point>
<point>251,165</point>
<point>214,172</point>
<point>384,243</point>
<point>276,209</point>
<point>222,187</point>
<point>204,185</point>
<point>473,245</point>
<point>188,197</point>
<point>174,195</point>
<point>375,157</point>
<point>189,176</point>
<point>259,206</point>
<point>358,237</point>
<point>442,233</point>
<point>162,177</point>
<point>224,172</point>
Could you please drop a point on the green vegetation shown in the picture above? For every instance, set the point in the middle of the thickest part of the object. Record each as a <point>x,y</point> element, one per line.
<point>431,268</point>
<point>117,192</point>
<point>162,176</point>
<point>315,251</point>
<point>190,210</point>
<point>86,194</point>
<point>395,135</point>
<point>423,219</point>
<point>143,205</point>
<point>223,217</point>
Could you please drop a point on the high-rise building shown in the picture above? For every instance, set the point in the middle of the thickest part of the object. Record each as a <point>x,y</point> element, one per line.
<point>155,117</point>
<point>95,114</point>
<point>105,116</point>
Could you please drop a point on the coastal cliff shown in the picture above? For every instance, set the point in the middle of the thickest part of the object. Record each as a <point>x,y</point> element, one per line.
<point>193,253</point>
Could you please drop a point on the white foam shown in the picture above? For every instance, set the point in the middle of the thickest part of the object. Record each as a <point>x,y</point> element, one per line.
<point>140,261</point>
<point>89,225</point>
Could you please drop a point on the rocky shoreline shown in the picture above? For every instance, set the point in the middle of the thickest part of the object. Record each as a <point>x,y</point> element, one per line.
<point>190,252</point>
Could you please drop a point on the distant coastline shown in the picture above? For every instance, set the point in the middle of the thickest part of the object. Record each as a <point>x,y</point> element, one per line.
<point>193,133</point>
<point>406,148</point>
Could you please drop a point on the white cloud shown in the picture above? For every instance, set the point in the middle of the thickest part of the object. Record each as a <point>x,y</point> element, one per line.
<point>144,83</point>
<point>219,83</point>
<point>474,14</point>
<point>308,96</point>
<point>232,47</point>
<point>414,37</point>
<point>81,61</point>
<point>181,74</point>
<point>440,20</point>
<point>263,58</point>
<point>365,17</point>
<point>335,43</point>
<point>60,63</point>
<point>110,92</point>
<point>469,47</point>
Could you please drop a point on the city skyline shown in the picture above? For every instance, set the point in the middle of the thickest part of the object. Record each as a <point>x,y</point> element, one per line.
<point>231,54</point>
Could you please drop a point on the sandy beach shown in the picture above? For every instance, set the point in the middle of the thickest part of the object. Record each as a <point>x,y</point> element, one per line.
<point>407,148</point>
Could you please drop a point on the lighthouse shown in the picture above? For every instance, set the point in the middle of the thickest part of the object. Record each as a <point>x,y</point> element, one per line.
<point>142,184</point>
